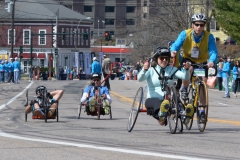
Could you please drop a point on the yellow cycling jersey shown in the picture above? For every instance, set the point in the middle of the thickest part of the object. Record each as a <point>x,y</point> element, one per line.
<point>189,45</point>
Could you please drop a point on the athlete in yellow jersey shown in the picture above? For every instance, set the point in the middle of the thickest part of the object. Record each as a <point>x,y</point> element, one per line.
<point>198,46</point>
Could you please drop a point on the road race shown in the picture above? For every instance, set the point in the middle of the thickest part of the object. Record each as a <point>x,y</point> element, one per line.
<point>90,138</point>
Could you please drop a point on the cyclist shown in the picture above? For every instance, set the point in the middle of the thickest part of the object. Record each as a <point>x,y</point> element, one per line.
<point>89,95</point>
<point>37,103</point>
<point>155,97</point>
<point>198,47</point>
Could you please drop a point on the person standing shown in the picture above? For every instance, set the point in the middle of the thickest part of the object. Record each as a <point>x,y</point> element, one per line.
<point>2,72</point>
<point>11,71</point>
<point>225,75</point>
<point>236,76</point>
<point>219,75</point>
<point>106,70</point>
<point>6,71</point>
<point>16,68</point>
<point>31,69</point>
<point>96,67</point>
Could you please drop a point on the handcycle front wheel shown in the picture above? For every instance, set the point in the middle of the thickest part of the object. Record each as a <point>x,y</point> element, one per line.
<point>202,102</point>
<point>173,111</point>
<point>80,106</point>
<point>26,103</point>
<point>135,109</point>
<point>191,101</point>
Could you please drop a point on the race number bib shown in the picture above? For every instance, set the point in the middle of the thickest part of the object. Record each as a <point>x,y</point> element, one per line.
<point>195,52</point>
<point>199,72</point>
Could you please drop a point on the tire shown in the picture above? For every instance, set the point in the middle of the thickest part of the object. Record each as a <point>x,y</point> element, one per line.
<point>98,111</point>
<point>135,109</point>
<point>180,124</point>
<point>26,104</point>
<point>191,97</point>
<point>110,113</point>
<point>80,106</point>
<point>45,104</point>
<point>202,125</point>
<point>173,111</point>
<point>57,114</point>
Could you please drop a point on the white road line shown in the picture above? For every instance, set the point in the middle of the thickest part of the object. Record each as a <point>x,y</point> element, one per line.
<point>223,104</point>
<point>2,134</point>
<point>101,148</point>
<point>13,99</point>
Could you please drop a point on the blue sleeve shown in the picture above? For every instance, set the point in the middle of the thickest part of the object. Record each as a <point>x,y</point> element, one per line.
<point>179,42</point>
<point>235,70</point>
<point>212,49</point>
<point>86,90</point>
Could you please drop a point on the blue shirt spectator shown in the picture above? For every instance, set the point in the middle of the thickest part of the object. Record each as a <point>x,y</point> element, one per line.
<point>226,69</point>
<point>96,66</point>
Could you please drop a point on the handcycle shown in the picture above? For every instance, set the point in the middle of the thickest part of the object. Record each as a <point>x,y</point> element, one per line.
<point>46,106</point>
<point>99,110</point>
<point>170,94</point>
<point>198,97</point>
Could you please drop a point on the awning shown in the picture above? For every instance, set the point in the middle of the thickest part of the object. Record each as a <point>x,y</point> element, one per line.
<point>28,55</point>
<point>15,55</point>
<point>41,56</point>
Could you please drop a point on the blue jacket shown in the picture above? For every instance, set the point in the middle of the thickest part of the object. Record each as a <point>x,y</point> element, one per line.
<point>212,49</point>
<point>16,66</point>
<point>154,88</point>
<point>226,69</point>
<point>10,65</point>
<point>6,67</point>
<point>1,67</point>
<point>96,67</point>
<point>219,70</point>
<point>235,72</point>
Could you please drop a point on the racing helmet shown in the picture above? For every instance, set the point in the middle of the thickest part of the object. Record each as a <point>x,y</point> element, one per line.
<point>96,75</point>
<point>170,43</point>
<point>199,17</point>
<point>162,51</point>
<point>40,89</point>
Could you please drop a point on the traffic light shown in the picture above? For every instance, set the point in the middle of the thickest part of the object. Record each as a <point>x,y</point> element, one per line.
<point>56,51</point>
<point>63,35</point>
<point>106,36</point>
<point>85,36</point>
<point>21,49</point>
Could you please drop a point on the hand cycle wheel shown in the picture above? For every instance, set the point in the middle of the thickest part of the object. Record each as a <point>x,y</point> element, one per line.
<point>57,113</point>
<point>135,109</point>
<point>80,106</point>
<point>191,97</point>
<point>99,104</point>
<point>202,102</point>
<point>26,104</point>
<point>45,104</point>
<point>110,112</point>
<point>173,111</point>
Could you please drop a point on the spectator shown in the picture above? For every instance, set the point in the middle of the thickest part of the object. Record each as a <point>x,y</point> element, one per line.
<point>236,76</point>
<point>6,71</point>
<point>31,69</point>
<point>2,72</point>
<point>68,73</point>
<point>225,75</point>
<point>11,71</point>
<point>219,75</point>
<point>106,70</point>
<point>134,73</point>
<point>96,67</point>
<point>16,68</point>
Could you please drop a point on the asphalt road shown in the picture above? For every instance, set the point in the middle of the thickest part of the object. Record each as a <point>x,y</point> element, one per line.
<point>88,138</point>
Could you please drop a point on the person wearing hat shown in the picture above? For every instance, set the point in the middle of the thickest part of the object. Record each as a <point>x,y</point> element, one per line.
<point>225,76</point>
<point>89,94</point>
<point>96,67</point>
<point>6,71</point>
<point>152,75</point>
<point>11,71</point>
<point>2,72</point>
<point>16,68</point>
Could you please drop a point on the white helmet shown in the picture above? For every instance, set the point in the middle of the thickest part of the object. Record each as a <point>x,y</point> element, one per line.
<point>199,17</point>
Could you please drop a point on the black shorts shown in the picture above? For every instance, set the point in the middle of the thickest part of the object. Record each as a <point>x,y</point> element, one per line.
<point>184,60</point>
<point>153,104</point>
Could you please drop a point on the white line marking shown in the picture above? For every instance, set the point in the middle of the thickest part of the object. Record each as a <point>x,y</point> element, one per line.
<point>101,148</point>
<point>13,99</point>
<point>223,104</point>
<point>2,134</point>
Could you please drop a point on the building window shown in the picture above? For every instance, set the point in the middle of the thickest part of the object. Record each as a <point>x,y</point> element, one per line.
<point>67,36</point>
<point>42,37</point>
<point>130,9</point>
<point>109,8</point>
<point>79,37</point>
<point>109,21</point>
<point>10,36</point>
<point>71,36</point>
<point>145,3</point>
<point>41,62</point>
<point>144,15</point>
<point>130,22</point>
<point>88,37</point>
<point>82,41</point>
<point>88,8</point>
<point>214,25</point>
<point>26,37</point>
<point>63,36</point>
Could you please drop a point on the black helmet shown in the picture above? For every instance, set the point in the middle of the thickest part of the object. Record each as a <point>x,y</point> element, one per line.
<point>96,75</point>
<point>162,51</point>
<point>40,89</point>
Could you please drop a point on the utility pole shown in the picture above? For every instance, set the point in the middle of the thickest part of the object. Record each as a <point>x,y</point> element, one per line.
<point>12,27</point>
<point>207,14</point>
<point>56,55</point>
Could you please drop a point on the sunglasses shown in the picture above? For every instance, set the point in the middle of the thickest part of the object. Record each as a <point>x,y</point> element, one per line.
<point>96,80</point>
<point>162,58</point>
<point>201,25</point>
